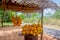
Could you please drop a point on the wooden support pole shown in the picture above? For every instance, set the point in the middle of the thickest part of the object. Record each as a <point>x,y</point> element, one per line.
<point>42,24</point>
<point>16,15</point>
<point>3,4</point>
<point>2,19</point>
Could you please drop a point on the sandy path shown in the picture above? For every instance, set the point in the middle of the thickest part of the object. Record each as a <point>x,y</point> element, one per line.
<point>12,33</point>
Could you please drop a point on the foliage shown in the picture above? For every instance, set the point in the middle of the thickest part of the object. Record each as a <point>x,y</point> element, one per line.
<point>57,14</point>
<point>34,15</point>
<point>22,16</point>
<point>1,11</point>
<point>8,15</point>
<point>34,18</point>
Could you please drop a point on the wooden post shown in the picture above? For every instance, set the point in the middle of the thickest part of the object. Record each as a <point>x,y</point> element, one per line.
<point>16,15</point>
<point>2,19</point>
<point>3,6</point>
<point>42,24</point>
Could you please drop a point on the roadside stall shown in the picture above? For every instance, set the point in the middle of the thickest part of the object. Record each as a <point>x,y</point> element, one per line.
<point>30,31</point>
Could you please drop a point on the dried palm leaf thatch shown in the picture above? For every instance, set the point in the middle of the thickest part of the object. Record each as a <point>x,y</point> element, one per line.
<point>29,5</point>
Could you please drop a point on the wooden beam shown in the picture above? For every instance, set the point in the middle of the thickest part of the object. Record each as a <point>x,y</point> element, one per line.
<point>21,7</point>
<point>18,7</point>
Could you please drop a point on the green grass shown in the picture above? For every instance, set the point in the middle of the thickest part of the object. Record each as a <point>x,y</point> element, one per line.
<point>7,23</point>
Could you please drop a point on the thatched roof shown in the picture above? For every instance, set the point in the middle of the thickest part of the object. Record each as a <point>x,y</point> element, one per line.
<point>37,3</point>
<point>30,4</point>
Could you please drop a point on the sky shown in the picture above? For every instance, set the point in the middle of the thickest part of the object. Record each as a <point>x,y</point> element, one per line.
<point>57,1</point>
<point>50,10</point>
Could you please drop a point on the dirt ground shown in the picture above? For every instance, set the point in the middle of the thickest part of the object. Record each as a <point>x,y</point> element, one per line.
<point>14,33</point>
<point>52,26</point>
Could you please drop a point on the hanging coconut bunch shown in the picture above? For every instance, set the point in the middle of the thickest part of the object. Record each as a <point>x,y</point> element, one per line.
<point>16,21</point>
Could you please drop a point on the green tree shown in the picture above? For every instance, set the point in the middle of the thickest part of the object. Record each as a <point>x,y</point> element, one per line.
<point>1,11</point>
<point>8,15</point>
<point>34,17</point>
<point>57,14</point>
<point>22,16</point>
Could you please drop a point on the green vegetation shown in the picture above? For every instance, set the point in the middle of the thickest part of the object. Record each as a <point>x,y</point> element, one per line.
<point>30,18</point>
<point>57,14</point>
<point>54,19</point>
<point>8,15</point>
<point>34,18</point>
<point>22,16</point>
